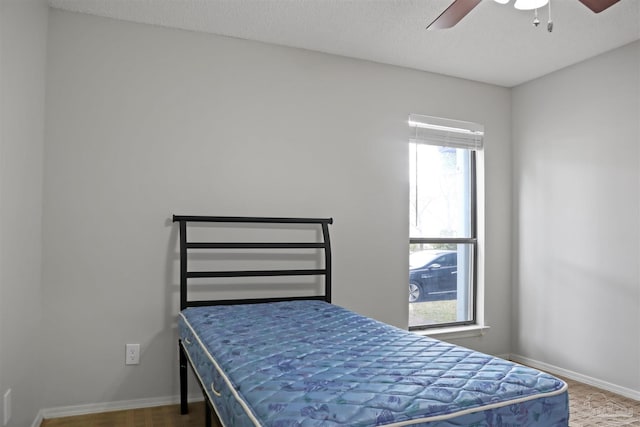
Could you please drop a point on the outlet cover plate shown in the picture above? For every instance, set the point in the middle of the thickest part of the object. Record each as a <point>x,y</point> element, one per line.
<point>132,356</point>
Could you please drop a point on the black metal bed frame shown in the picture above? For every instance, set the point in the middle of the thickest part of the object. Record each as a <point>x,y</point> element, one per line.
<point>186,274</point>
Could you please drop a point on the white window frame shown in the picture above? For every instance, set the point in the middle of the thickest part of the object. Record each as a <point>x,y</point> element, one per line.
<point>458,134</point>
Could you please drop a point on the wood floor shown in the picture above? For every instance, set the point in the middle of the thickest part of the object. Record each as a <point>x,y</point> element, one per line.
<point>590,407</point>
<point>159,416</point>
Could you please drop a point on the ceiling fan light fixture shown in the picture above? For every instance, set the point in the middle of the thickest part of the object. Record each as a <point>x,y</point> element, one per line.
<point>502,1</point>
<point>529,4</point>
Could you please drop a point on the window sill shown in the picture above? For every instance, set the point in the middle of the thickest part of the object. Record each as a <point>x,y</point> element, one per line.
<point>455,332</point>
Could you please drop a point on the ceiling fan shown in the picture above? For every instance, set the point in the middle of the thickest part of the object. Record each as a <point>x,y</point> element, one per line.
<point>460,8</point>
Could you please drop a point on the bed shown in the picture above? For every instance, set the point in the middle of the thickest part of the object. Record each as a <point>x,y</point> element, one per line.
<point>303,361</point>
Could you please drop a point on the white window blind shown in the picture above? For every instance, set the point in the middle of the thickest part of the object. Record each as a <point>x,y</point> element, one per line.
<point>445,132</point>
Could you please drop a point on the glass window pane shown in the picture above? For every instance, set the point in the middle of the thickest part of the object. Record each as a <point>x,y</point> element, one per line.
<point>440,191</point>
<point>440,283</point>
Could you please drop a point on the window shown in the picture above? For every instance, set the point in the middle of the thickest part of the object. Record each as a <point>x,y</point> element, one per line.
<point>443,239</point>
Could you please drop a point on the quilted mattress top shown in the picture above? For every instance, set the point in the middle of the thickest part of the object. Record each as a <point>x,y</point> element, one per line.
<point>321,360</point>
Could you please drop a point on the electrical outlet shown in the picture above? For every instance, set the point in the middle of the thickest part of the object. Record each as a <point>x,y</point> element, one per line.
<point>7,407</point>
<point>132,356</point>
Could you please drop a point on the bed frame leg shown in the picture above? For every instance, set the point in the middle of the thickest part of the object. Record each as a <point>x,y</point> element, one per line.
<point>207,413</point>
<point>184,407</point>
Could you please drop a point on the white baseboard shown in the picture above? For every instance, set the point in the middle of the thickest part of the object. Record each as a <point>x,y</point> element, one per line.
<point>39,419</point>
<point>595,382</point>
<point>94,408</point>
<point>503,356</point>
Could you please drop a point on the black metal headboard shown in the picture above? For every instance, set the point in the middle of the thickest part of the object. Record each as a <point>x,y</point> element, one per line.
<point>186,245</point>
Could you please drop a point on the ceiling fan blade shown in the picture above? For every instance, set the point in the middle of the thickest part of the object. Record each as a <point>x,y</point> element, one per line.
<point>453,14</point>
<point>598,5</point>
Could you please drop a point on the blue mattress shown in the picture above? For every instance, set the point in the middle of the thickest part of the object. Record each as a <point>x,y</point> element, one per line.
<point>310,363</point>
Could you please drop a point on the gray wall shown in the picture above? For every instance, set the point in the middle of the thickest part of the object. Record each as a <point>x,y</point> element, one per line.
<point>23,31</point>
<point>576,197</point>
<point>144,121</point>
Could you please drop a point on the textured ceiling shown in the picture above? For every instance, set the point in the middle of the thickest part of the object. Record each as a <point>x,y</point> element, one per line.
<point>494,44</point>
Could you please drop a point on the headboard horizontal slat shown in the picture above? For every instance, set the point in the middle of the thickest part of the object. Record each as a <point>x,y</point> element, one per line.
<point>252,219</point>
<point>254,273</point>
<point>202,303</point>
<point>255,245</point>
